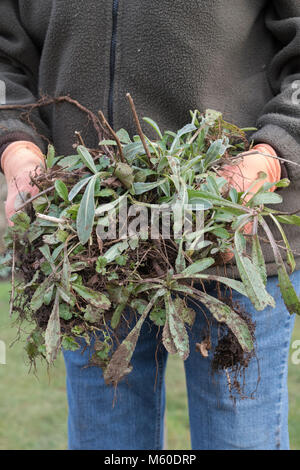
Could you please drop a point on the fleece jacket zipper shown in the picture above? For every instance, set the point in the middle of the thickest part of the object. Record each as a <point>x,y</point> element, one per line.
<point>112,60</point>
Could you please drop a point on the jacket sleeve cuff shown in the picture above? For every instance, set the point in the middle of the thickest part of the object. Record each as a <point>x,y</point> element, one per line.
<point>12,130</point>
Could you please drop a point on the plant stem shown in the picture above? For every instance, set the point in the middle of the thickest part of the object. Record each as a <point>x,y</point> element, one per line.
<point>12,294</point>
<point>51,219</point>
<point>276,157</point>
<point>105,123</point>
<point>46,101</point>
<point>35,197</point>
<point>139,128</point>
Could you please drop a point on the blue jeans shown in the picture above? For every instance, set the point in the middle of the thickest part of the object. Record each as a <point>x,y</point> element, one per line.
<point>132,416</point>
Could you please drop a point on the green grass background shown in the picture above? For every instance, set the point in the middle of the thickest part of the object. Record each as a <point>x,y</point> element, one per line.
<point>33,410</point>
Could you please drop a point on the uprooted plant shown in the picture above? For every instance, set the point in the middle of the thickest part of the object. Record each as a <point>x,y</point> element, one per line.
<point>75,282</point>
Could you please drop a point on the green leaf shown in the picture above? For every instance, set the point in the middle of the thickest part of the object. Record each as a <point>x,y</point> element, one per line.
<point>184,130</point>
<point>115,320</point>
<point>287,290</point>
<point>106,192</point>
<point>48,295</point>
<point>75,190</point>
<point>119,365</point>
<point>69,344</point>
<point>40,204</point>
<point>289,219</point>
<point>258,258</point>
<point>251,277</point>
<point>87,158</point>
<point>64,311</point>
<point>125,174</point>
<point>131,150</point>
<point>50,156</point>
<point>114,251</point>
<point>61,190</point>
<point>140,188</point>
<point>217,200</point>
<point>102,208</point>
<point>92,297</point>
<point>69,161</point>
<point>198,266</point>
<point>224,314</point>
<point>186,314</point>
<point>180,260</point>
<point>92,314</point>
<point>154,125</point>
<point>52,334</point>
<point>234,195</point>
<point>57,251</point>
<point>284,183</point>
<point>232,283</point>
<point>216,150</point>
<point>37,299</point>
<point>66,272</point>
<point>221,232</point>
<point>121,260</point>
<point>158,316</point>
<point>86,213</point>
<point>108,142</point>
<point>123,136</point>
<point>45,250</point>
<point>21,222</point>
<point>200,204</point>
<point>290,257</point>
<point>211,116</point>
<point>211,184</point>
<point>265,198</point>
<point>67,297</point>
<point>175,334</point>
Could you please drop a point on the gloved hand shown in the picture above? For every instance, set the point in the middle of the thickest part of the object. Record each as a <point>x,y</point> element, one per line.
<point>242,176</point>
<point>18,160</point>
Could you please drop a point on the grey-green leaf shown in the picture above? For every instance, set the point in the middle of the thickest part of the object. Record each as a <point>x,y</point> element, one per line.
<point>154,125</point>
<point>87,158</point>
<point>266,198</point>
<point>258,258</point>
<point>94,298</point>
<point>61,190</point>
<point>140,188</point>
<point>251,277</point>
<point>75,190</point>
<point>52,334</point>
<point>179,337</point>
<point>224,314</point>
<point>119,364</point>
<point>198,266</point>
<point>86,213</point>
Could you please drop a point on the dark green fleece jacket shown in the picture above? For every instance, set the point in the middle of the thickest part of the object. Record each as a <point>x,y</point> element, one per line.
<point>241,57</point>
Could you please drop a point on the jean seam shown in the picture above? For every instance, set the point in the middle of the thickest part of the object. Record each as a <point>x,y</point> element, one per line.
<point>284,366</point>
<point>158,402</point>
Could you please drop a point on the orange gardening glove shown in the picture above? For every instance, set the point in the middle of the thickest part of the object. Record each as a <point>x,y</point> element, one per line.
<point>242,176</point>
<point>18,160</point>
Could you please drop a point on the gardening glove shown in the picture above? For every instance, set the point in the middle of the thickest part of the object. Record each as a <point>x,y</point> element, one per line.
<point>18,160</point>
<point>242,176</point>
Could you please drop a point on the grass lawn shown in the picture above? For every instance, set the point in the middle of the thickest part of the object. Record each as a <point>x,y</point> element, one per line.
<point>33,410</point>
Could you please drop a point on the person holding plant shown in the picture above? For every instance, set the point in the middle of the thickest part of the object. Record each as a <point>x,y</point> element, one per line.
<point>242,59</point>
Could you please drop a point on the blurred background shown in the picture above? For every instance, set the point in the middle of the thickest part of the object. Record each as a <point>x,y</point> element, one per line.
<point>33,408</point>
